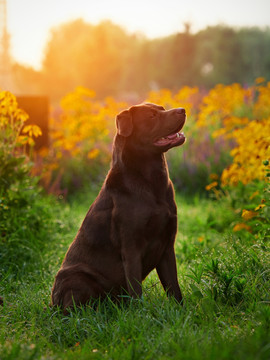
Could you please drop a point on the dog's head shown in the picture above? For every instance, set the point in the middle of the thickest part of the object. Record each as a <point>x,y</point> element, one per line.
<point>152,126</point>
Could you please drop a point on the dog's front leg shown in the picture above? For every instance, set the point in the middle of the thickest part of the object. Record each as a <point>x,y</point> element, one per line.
<point>167,273</point>
<point>133,272</point>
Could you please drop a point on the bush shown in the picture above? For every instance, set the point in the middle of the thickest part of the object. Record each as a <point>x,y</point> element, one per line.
<point>225,132</point>
<point>23,211</point>
<point>191,165</point>
<point>82,135</point>
<point>244,117</point>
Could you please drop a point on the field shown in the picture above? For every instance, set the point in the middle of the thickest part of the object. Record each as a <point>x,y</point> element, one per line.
<point>224,279</point>
<point>221,177</point>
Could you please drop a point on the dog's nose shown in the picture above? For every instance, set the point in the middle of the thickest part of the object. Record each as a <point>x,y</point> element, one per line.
<point>180,110</point>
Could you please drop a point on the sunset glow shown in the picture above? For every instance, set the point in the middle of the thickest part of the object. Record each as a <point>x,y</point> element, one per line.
<point>30,21</point>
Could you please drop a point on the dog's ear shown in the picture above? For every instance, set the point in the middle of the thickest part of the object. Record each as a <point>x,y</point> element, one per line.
<point>124,123</point>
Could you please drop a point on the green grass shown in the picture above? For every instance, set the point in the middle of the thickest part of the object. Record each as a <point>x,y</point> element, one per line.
<point>225,280</point>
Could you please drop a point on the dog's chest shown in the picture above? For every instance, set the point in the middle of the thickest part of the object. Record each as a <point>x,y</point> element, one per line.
<point>159,232</point>
<point>160,219</point>
<point>160,228</point>
<point>156,217</point>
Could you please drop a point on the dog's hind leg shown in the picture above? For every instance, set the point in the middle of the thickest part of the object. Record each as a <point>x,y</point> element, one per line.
<point>76,289</point>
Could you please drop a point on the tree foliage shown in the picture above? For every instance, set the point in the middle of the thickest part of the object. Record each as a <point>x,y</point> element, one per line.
<point>86,55</point>
<point>109,60</point>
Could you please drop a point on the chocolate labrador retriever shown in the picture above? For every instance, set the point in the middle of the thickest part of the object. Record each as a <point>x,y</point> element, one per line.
<point>130,228</point>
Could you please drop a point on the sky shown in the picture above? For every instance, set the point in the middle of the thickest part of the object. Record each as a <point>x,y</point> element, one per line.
<point>29,21</point>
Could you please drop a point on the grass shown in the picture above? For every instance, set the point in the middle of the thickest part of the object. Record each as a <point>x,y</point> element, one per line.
<point>224,278</point>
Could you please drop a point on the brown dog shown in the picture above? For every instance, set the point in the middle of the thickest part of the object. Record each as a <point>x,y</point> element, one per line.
<point>130,228</point>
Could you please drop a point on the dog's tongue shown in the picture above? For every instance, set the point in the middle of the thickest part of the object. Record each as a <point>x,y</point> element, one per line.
<point>172,136</point>
<point>172,139</point>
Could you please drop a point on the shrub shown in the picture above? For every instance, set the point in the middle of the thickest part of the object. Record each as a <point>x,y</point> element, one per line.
<point>81,141</point>
<point>244,118</point>
<point>225,129</point>
<point>241,115</point>
<point>191,165</point>
<point>22,214</point>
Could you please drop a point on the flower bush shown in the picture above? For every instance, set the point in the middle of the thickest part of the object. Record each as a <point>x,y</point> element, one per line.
<point>253,146</point>
<point>191,165</point>
<point>186,97</point>
<point>243,116</point>
<point>226,135</point>
<point>81,138</point>
<point>23,213</point>
<point>15,140</point>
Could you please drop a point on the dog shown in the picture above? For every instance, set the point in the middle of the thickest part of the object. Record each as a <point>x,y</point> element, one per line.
<point>130,228</point>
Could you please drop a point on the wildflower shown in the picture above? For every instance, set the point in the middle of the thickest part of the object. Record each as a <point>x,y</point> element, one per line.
<point>259,207</point>
<point>242,226</point>
<point>12,128</point>
<point>93,154</point>
<point>252,147</point>
<point>261,109</point>
<point>22,140</point>
<point>248,214</point>
<point>182,98</point>
<point>260,80</point>
<point>211,186</point>
<point>221,102</point>
<point>32,130</point>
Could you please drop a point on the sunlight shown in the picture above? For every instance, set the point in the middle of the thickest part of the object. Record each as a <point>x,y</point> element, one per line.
<point>30,31</point>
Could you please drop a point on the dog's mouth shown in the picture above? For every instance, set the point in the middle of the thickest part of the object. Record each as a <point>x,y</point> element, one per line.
<point>175,139</point>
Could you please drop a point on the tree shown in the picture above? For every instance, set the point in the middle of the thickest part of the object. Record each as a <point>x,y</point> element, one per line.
<point>86,55</point>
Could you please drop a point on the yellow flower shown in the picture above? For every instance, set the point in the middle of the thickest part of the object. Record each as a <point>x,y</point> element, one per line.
<point>211,186</point>
<point>259,207</point>
<point>248,214</point>
<point>22,140</point>
<point>93,154</point>
<point>32,130</point>
<point>261,109</point>
<point>252,147</point>
<point>242,226</point>
<point>220,103</point>
<point>260,80</point>
<point>183,98</point>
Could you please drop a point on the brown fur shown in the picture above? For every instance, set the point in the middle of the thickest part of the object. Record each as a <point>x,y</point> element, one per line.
<point>130,228</point>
